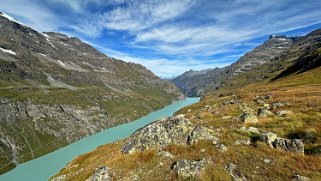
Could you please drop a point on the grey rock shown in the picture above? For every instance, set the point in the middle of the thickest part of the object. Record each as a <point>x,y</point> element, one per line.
<point>242,142</point>
<point>222,148</point>
<point>172,130</point>
<point>165,154</point>
<point>283,113</point>
<point>59,178</point>
<point>189,169</point>
<point>200,133</point>
<point>267,160</point>
<point>260,101</point>
<point>251,129</point>
<point>262,112</point>
<point>207,107</point>
<point>249,118</point>
<point>266,106</point>
<point>268,138</point>
<point>235,172</point>
<point>216,141</point>
<point>292,145</point>
<point>100,174</point>
<point>247,109</point>
<point>276,105</point>
<point>300,178</point>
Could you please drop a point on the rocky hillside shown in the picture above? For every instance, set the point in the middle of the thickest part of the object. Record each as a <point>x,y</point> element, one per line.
<point>56,89</point>
<point>251,128</point>
<point>196,83</point>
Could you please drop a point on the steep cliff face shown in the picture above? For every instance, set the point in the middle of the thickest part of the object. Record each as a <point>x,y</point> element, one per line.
<point>196,83</point>
<point>56,89</point>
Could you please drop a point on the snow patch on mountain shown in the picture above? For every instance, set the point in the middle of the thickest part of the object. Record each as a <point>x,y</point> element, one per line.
<point>8,51</point>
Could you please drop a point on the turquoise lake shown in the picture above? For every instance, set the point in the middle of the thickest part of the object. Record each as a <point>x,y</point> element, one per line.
<point>44,167</point>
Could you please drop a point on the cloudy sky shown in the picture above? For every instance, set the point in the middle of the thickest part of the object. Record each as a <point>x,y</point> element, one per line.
<point>170,36</point>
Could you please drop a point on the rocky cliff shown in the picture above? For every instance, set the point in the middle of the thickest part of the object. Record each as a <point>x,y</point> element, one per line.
<point>56,89</point>
<point>196,83</point>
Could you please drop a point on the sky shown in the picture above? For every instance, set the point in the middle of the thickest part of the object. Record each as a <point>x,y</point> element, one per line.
<point>170,37</point>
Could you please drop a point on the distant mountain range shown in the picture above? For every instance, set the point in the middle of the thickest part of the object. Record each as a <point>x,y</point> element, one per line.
<point>196,83</point>
<point>56,89</point>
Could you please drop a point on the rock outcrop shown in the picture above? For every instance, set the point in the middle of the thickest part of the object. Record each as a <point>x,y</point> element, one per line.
<point>172,130</point>
<point>235,172</point>
<point>291,145</point>
<point>189,169</point>
<point>249,118</point>
<point>283,113</point>
<point>100,174</point>
<point>269,138</point>
<point>263,113</point>
<point>300,178</point>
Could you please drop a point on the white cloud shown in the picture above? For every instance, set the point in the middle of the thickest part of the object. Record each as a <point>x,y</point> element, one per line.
<point>170,67</point>
<point>30,13</point>
<point>183,29</point>
<point>139,15</point>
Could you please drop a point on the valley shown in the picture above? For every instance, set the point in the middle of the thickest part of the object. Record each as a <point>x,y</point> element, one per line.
<point>173,90</point>
<point>57,89</point>
<point>261,124</point>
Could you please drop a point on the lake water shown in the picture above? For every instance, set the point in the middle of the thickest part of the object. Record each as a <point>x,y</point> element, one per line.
<point>44,167</point>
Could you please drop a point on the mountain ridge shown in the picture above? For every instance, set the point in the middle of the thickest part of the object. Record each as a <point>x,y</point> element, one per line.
<point>57,89</point>
<point>213,78</point>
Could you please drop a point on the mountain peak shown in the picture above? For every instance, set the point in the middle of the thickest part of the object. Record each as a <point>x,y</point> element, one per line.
<point>9,18</point>
<point>277,36</point>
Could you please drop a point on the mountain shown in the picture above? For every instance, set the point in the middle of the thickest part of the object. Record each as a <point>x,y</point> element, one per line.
<point>261,124</point>
<point>196,83</point>
<point>56,89</point>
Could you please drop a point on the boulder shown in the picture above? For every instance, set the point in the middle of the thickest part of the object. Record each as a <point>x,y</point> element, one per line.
<point>207,107</point>
<point>165,154</point>
<point>200,133</point>
<point>100,174</point>
<point>172,130</point>
<point>251,129</point>
<point>59,178</point>
<point>292,145</point>
<point>276,105</point>
<point>222,148</point>
<point>249,118</point>
<point>268,138</point>
<point>266,106</point>
<point>189,169</point>
<point>246,109</point>
<point>242,142</point>
<point>235,172</point>
<point>300,178</point>
<point>263,113</point>
<point>260,101</point>
<point>283,113</point>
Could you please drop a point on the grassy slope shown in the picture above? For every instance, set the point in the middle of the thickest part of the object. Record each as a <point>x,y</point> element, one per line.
<point>302,91</point>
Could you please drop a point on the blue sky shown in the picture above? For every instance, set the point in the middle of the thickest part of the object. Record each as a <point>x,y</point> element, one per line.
<point>170,36</point>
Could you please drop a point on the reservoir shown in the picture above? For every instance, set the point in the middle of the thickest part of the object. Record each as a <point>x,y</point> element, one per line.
<point>42,168</point>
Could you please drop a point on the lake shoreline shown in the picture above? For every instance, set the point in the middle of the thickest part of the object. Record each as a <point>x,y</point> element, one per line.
<point>44,167</point>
